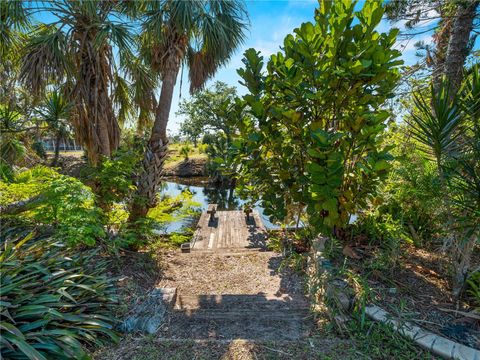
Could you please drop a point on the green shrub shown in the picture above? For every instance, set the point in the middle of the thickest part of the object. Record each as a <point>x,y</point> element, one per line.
<point>383,232</point>
<point>411,193</point>
<point>171,241</point>
<point>54,302</point>
<point>473,288</point>
<point>185,151</point>
<point>316,117</point>
<point>12,150</point>
<point>168,209</point>
<point>114,178</point>
<point>39,148</point>
<point>65,203</point>
<point>202,148</point>
<point>6,172</point>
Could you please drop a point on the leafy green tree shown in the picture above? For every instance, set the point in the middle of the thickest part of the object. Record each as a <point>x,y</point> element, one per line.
<point>210,110</point>
<point>192,129</point>
<point>202,35</point>
<point>312,143</point>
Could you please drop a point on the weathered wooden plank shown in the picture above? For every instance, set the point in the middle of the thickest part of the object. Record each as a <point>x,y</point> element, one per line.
<point>229,230</point>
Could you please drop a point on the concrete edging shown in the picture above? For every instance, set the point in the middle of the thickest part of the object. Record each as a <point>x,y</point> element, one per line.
<point>437,344</point>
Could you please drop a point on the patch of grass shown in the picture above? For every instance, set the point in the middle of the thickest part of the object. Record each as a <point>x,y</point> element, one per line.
<point>376,340</point>
<point>171,241</point>
<point>149,348</point>
<point>175,156</point>
<point>373,340</point>
<point>75,153</point>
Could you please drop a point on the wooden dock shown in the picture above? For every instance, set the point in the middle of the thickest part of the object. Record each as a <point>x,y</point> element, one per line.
<point>229,230</point>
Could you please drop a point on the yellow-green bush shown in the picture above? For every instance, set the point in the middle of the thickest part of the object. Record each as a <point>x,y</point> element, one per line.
<point>65,204</point>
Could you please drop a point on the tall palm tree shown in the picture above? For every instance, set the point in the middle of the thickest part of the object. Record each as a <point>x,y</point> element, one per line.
<point>79,50</point>
<point>14,22</point>
<point>55,113</point>
<point>201,35</point>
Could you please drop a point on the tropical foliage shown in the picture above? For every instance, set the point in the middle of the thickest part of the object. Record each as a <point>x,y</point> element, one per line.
<point>448,129</point>
<point>48,198</point>
<point>317,116</point>
<point>54,303</point>
<point>331,134</point>
<point>55,113</point>
<point>201,35</point>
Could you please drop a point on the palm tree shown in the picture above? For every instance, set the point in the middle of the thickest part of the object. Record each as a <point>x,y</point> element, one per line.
<point>55,113</point>
<point>77,51</point>
<point>14,22</point>
<point>201,35</point>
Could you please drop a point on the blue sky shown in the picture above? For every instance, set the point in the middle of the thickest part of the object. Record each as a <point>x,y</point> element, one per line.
<point>271,21</point>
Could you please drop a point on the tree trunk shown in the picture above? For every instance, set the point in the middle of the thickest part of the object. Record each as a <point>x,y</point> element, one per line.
<point>461,263</point>
<point>155,152</point>
<point>95,121</point>
<point>21,206</point>
<point>57,150</point>
<point>457,51</point>
<point>441,37</point>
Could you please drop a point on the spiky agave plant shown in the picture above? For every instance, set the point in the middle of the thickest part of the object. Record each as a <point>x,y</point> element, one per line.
<point>54,302</point>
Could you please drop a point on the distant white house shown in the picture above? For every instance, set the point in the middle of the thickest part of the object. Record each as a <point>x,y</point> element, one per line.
<point>65,145</point>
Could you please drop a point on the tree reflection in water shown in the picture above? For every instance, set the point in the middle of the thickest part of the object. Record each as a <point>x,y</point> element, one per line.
<point>224,197</point>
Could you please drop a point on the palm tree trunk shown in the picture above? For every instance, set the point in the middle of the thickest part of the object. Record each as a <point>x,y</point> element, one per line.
<point>155,152</point>
<point>457,50</point>
<point>57,150</point>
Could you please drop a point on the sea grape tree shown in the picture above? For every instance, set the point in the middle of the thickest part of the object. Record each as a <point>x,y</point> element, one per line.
<point>311,143</point>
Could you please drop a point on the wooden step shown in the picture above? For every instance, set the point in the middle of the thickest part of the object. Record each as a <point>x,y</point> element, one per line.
<point>285,324</point>
<point>238,302</point>
<point>242,316</point>
<point>234,251</point>
<point>247,314</point>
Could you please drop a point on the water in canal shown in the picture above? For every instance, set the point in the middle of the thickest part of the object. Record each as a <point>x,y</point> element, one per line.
<point>204,194</point>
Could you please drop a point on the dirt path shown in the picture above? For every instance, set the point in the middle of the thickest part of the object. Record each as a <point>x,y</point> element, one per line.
<point>233,306</point>
<point>242,296</point>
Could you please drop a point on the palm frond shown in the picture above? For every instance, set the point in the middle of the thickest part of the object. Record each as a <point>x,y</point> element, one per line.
<point>55,111</point>
<point>122,99</point>
<point>142,87</point>
<point>470,97</point>
<point>219,32</point>
<point>201,66</point>
<point>46,57</point>
<point>14,18</point>
<point>436,125</point>
<point>117,34</point>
